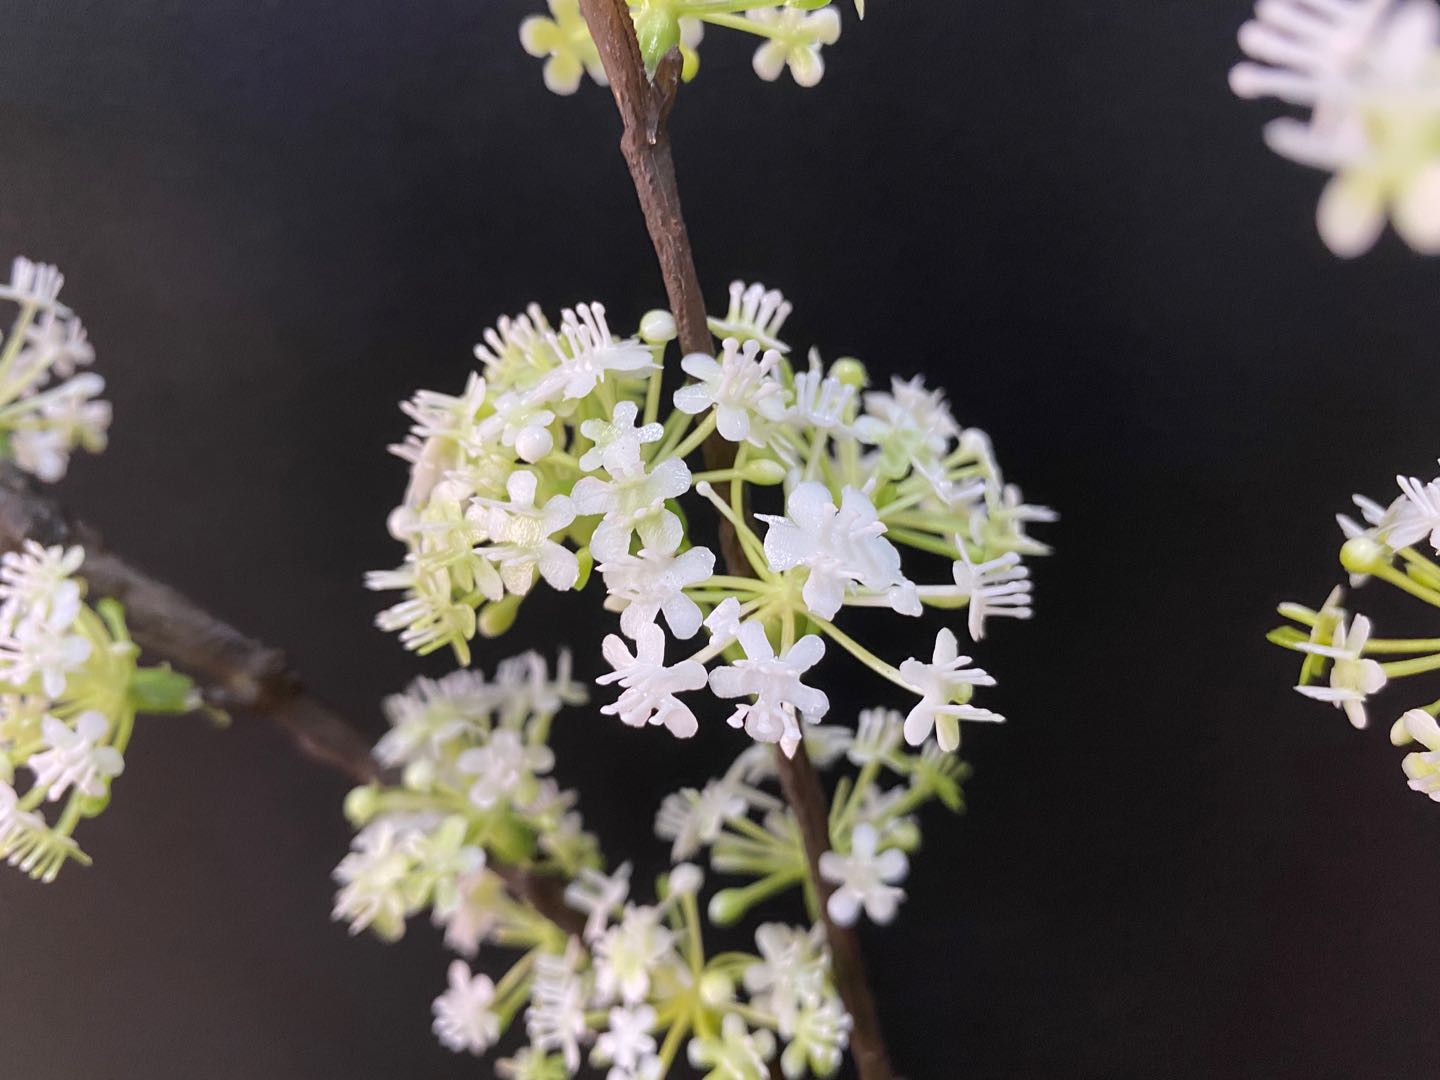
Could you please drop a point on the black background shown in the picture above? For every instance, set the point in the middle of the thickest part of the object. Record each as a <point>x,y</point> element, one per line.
<point>278,219</point>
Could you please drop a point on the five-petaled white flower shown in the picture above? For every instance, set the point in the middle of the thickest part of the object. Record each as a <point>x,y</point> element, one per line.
<point>1422,768</point>
<point>795,39</point>
<point>598,895</point>
<point>627,1042</point>
<point>755,312</point>
<point>692,819</point>
<point>774,681</point>
<point>910,425</point>
<point>589,353</point>
<point>564,40</point>
<point>627,955</point>
<point>652,583</point>
<point>944,685</point>
<point>650,686</point>
<point>634,503</point>
<point>503,766</point>
<point>1414,516</point>
<point>76,756</point>
<point>840,546</point>
<point>821,401</point>
<point>463,1017</point>
<point>520,535</point>
<point>1353,677</point>
<point>617,440</point>
<point>739,386</point>
<point>998,587</point>
<point>864,878</point>
<point>735,1053</point>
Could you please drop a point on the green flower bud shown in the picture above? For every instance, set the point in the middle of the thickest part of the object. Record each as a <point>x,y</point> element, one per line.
<point>1361,555</point>
<point>658,31</point>
<point>728,906</point>
<point>361,804</point>
<point>716,989</point>
<point>498,616</point>
<point>763,472</point>
<point>851,372</point>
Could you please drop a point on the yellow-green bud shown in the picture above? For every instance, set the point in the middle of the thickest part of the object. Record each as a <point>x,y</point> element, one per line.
<point>716,989</point>
<point>361,804</point>
<point>728,906</point>
<point>498,616</point>
<point>658,31</point>
<point>763,472</point>
<point>1361,555</point>
<point>587,563</point>
<point>851,372</point>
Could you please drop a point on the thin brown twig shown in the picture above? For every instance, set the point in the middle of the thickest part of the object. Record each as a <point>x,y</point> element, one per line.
<point>644,105</point>
<point>234,671</point>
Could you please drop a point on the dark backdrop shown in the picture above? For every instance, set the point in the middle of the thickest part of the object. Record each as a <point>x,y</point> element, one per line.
<point>280,218</point>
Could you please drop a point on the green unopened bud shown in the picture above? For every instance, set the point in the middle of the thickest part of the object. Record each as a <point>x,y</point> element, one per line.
<point>716,989</point>
<point>1400,734</point>
<point>658,31</point>
<point>498,616</point>
<point>160,690</point>
<point>763,472</point>
<point>419,775</point>
<point>511,840</point>
<point>728,906</point>
<point>1361,555</point>
<point>657,327</point>
<point>93,805</point>
<point>361,804</point>
<point>851,372</point>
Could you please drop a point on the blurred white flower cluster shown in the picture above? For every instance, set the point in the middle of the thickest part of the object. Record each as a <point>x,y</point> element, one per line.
<point>48,406</point>
<point>792,34</point>
<point>1368,71</point>
<point>1345,664</point>
<point>629,987</point>
<point>69,693</point>
<point>559,457</point>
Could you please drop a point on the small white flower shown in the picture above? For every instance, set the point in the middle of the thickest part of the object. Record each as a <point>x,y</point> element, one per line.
<point>628,953</point>
<point>755,313</point>
<point>374,879</point>
<point>735,1054</point>
<point>841,547</point>
<point>694,819</point>
<point>33,283</point>
<point>598,896</point>
<point>634,503</point>
<point>463,1020</point>
<point>795,40</point>
<point>944,685</point>
<point>1415,517</point>
<point>819,1035</point>
<point>738,386</point>
<point>1353,677</point>
<point>649,686</point>
<point>590,354</point>
<point>555,1018</point>
<point>821,401</point>
<point>57,343</point>
<point>503,767</point>
<point>565,43</point>
<point>775,682</point>
<point>75,756</point>
<point>864,879</point>
<point>724,621</point>
<point>617,440</point>
<point>995,588</point>
<point>911,426</point>
<point>519,421</point>
<point>627,1042</point>
<point>37,578</point>
<point>433,713</point>
<point>792,971</point>
<point>1422,768</point>
<point>520,536</point>
<point>878,735</point>
<point>476,912</point>
<point>643,586</point>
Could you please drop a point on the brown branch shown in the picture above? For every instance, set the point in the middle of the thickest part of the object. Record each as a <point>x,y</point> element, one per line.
<point>644,107</point>
<point>234,671</point>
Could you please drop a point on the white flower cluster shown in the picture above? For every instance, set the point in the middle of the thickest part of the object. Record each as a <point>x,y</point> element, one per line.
<point>48,407</point>
<point>1344,663</point>
<point>69,692</point>
<point>473,812</point>
<point>751,832</point>
<point>473,761</point>
<point>1368,71</point>
<point>792,36</point>
<point>558,457</point>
